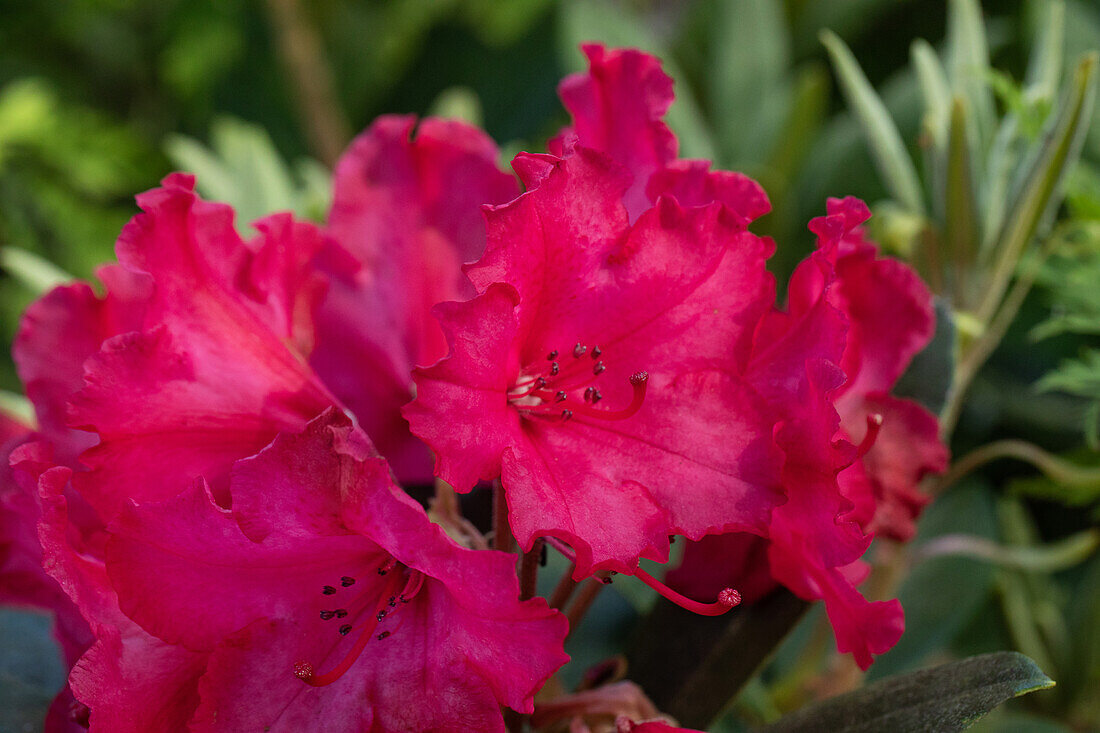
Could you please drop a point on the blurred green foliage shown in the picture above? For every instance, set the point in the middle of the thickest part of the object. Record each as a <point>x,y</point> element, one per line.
<point>101,98</point>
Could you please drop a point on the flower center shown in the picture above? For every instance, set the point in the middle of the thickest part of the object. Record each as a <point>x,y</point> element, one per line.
<point>399,588</point>
<point>563,388</point>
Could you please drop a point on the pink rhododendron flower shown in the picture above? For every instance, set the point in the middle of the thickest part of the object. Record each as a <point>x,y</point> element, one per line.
<point>617,108</point>
<point>599,372</point>
<point>842,299</point>
<point>339,605</point>
<point>406,215</point>
<point>127,680</point>
<point>217,368</point>
<point>890,316</point>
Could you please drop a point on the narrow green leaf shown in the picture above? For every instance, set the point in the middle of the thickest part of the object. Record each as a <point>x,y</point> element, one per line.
<point>1034,619</point>
<point>960,208</point>
<point>882,134</point>
<point>17,407</point>
<point>1043,76</point>
<point>806,113</point>
<point>928,377</point>
<point>1047,558</point>
<point>212,177</point>
<point>1083,615</point>
<point>1044,69</point>
<point>1039,196</point>
<point>460,103</point>
<point>934,90</point>
<point>34,272</point>
<point>946,698</point>
<point>751,58</point>
<point>942,594</point>
<point>968,51</point>
<point>243,168</point>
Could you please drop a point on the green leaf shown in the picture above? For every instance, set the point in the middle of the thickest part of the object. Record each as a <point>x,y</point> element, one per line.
<point>1083,616</point>
<point>1039,196</point>
<point>1031,611</point>
<point>1047,558</point>
<point>31,672</point>
<point>34,272</point>
<point>934,90</point>
<point>243,169</point>
<point>882,134</point>
<point>458,103</point>
<point>1044,69</point>
<point>941,595</point>
<point>17,407</point>
<point>946,698</point>
<point>928,378</point>
<point>961,235</point>
<point>969,65</point>
<point>749,64</point>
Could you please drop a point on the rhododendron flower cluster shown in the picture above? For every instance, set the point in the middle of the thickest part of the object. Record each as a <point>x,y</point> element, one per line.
<point>212,500</point>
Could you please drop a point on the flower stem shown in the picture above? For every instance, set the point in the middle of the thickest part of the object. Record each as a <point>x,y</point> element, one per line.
<point>563,590</point>
<point>529,570</point>
<point>502,533</point>
<point>301,50</point>
<point>580,605</point>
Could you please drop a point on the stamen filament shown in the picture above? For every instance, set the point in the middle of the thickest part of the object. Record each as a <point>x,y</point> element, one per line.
<point>416,581</point>
<point>727,599</point>
<point>304,671</point>
<point>639,382</point>
<point>874,426</point>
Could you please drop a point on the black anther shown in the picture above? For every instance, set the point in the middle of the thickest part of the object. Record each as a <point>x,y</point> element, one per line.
<point>345,629</point>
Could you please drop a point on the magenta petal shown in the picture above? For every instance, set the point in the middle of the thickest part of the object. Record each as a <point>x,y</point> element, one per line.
<point>692,183</point>
<point>213,375</point>
<point>56,336</point>
<point>654,322</point>
<point>23,578</point>
<point>406,216</point>
<point>469,386</point>
<point>862,627</point>
<point>617,106</point>
<point>195,545</point>
<point>907,448</point>
<point>336,538</point>
<point>731,560</point>
<point>131,680</point>
<point>616,491</point>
